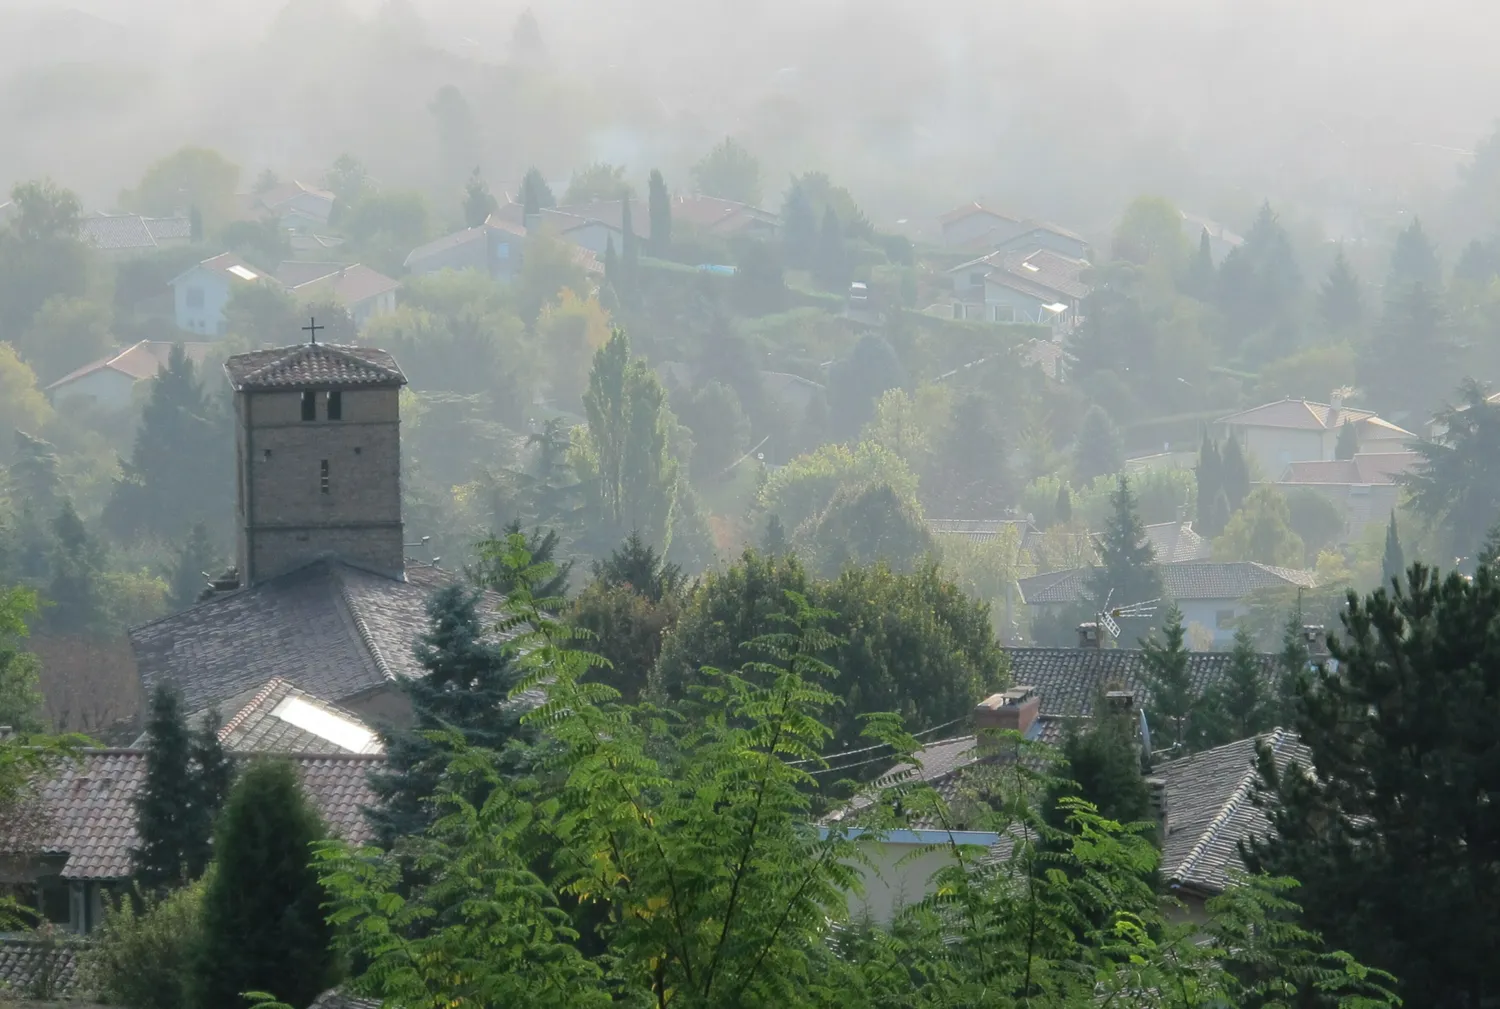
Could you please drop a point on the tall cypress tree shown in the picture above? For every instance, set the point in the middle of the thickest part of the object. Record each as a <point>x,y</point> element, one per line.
<point>611,264</point>
<point>263,927</point>
<point>1202,275</point>
<point>464,688</point>
<point>1062,509</point>
<point>1393,563</point>
<point>535,193</point>
<point>660,209</point>
<point>169,831</point>
<point>630,251</point>
<point>1236,474</point>
<point>799,229</point>
<point>1210,479</point>
<point>1347,446</point>
<point>196,557</point>
<point>76,565</point>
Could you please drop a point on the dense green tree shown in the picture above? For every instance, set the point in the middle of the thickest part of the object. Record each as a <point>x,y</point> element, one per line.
<point>1100,449</point>
<point>872,524</point>
<point>1234,473</point>
<point>177,475</point>
<point>1209,476</point>
<point>1102,762</point>
<point>348,180</point>
<point>971,464</point>
<point>1411,360</point>
<point>730,172</point>
<point>1150,231</point>
<point>911,643</point>
<point>544,547</point>
<point>597,182</point>
<point>1456,484</point>
<point>659,207</point>
<point>458,145</point>
<point>1478,264</point>
<point>831,267</point>
<point>1062,510</point>
<point>1339,301</point>
<point>1244,703</point>
<point>774,542</point>
<point>1127,570</point>
<point>66,334</point>
<point>75,585</point>
<point>189,177</point>
<point>393,219</point>
<point>632,476</point>
<point>40,255</point>
<point>1260,283</point>
<point>198,559</point>
<point>262,314</point>
<point>856,383</point>
<point>799,229</point>
<point>1202,277</point>
<point>1398,862</point>
<point>479,202</point>
<point>1262,531</point>
<point>549,490</point>
<point>465,689</point>
<point>20,700</point>
<point>636,565</point>
<point>535,193</point>
<point>186,782</point>
<point>1317,521</point>
<point>1292,665</point>
<point>1176,710</point>
<point>1414,261</point>
<point>630,251</point>
<point>1393,561</point>
<point>721,431</point>
<point>759,283</point>
<point>527,47</point>
<point>628,610</point>
<point>263,924</point>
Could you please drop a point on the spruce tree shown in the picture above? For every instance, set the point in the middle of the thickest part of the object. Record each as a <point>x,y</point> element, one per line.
<point>263,926</point>
<point>1414,261</point>
<point>465,687</point>
<point>1411,361</point>
<point>1103,765</point>
<point>799,229</point>
<point>1062,509</point>
<point>544,546</point>
<point>479,202</point>
<point>1127,571</point>
<point>660,210</point>
<point>535,193</point>
<point>1347,446</point>
<point>171,835</point>
<point>1339,300</point>
<point>213,777</point>
<point>1210,480</point>
<point>1292,666</point>
<point>1174,699</point>
<point>1393,562</point>
<point>1243,702</point>
<point>1236,474</point>
<point>76,564</point>
<point>630,252</point>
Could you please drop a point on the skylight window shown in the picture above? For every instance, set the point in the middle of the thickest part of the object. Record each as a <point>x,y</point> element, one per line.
<point>244,272</point>
<point>327,725</point>
<point>1032,267</point>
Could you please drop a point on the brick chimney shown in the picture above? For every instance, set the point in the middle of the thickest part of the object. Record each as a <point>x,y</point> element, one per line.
<point>1012,710</point>
<point>1088,635</point>
<point>1120,701</point>
<point>1159,811</point>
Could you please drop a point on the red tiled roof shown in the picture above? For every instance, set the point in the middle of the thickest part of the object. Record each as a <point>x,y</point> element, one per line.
<point>139,361</point>
<point>313,364</point>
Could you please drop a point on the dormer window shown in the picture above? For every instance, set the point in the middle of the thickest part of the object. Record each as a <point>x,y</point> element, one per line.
<point>309,405</point>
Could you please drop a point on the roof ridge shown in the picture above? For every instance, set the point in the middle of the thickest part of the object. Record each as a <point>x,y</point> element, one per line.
<point>1231,805</point>
<point>363,628</point>
<point>255,702</point>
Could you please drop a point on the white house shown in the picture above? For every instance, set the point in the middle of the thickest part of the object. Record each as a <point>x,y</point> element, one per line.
<point>296,206</point>
<point>1289,431</point>
<point>201,292</point>
<point>363,292</point>
<point>110,381</point>
<point>975,226</point>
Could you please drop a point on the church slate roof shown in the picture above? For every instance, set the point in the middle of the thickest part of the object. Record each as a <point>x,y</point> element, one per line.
<point>320,365</point>
<point>334,630</point>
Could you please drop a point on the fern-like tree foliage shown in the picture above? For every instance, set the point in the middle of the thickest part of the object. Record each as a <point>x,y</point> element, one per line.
<point>717,889</point>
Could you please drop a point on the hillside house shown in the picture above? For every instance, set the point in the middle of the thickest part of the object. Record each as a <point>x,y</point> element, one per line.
<point>120,236</point>
<point>296,206</point>
<point>1039,286</point>
<point>975,226</point>
<point>1275,435</point>
<point>361,291</point>
<point>110,382</point>
<point>200,293</point>
<point>1365,488</point>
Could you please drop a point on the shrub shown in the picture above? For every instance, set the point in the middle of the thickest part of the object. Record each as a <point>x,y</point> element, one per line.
<point>141,954</point>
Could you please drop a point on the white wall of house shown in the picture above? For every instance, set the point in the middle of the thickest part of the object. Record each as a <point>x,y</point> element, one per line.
<point>594,236</point>
<point>1275,448</point>
<point>903,865</point>
<point>107,388</point>
<point>1005,304</point>
<point>1217,615</point>
<point>363,311</point>
<point>200,296</point>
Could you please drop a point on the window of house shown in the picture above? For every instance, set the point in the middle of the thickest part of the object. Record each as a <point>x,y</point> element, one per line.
<point>976,279</point>
<point>335,405</point>
<point>958,310</point>
<point>323,476</point>
<point>1224,619</point>
<point>195,297</point>
<point>55,900</point>
<point>309,405</point>
<point>1005,313</point>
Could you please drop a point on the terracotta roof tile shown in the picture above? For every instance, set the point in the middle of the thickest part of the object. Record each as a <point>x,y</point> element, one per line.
<point>31,967</point>
<point>313,364</point>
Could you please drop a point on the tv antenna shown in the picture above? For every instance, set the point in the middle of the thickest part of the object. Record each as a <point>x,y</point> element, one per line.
<point>1108,617</point>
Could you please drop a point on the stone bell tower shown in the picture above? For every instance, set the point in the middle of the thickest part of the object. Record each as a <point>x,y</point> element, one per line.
<point>317,458</point>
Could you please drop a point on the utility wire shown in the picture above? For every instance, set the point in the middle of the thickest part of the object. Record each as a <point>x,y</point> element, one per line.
<point>867,749</point>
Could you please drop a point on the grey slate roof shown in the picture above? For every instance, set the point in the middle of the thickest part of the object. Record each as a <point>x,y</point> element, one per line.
<point>1209,809</point>
<point>1186,580</point>
<point>330,628</point>
<point>87,807</point>
<point>125,231</point>
<point>31,966</point>
<point>1068,679</point>
<point>339,998</point>
<point>313,364</point>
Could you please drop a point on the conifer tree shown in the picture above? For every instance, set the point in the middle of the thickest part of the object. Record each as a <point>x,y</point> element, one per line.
<point>1127,572</point>
<point>1210,480</point>
<point>1347,446</point>
<point>611,264</point>
<point>832,265</point>
<point>171,835</point>
<point>799,229</point>
<point>544,546</point>
<point>1292,662</point>
<point>535,193</point>
<point>630,252</point>
<point>1243,702</point>
<point>1411,360</point>
<point>1062,510</point>
<point>1100,450</point>
<point>1339,300</point>
<point>465,685</point>
<point>1393,562</point>
<point>774,542</point>
<point>1202,275</point>
<point>195,558</point>
<point>1414,261</point>
<point>660,210</point>
<point>1175,703</point>
<point>263,927</point>
<point>213,777</point>
<point>972,463</point>
<point>1218,513</point>
<point>479,202</point>
<point>74,588</point>
<point>1103,766</point>
<point>1236,474</point>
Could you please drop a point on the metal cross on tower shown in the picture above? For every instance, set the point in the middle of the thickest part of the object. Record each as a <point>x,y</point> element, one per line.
<point>312,328</point>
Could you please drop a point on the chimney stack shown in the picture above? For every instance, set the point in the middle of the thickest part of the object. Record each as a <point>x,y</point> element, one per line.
<point>1120,701</point>
<point>1088,635</point>
<point>1012,710</point>
<point>1317,641</point>
<point>1158,789</point>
